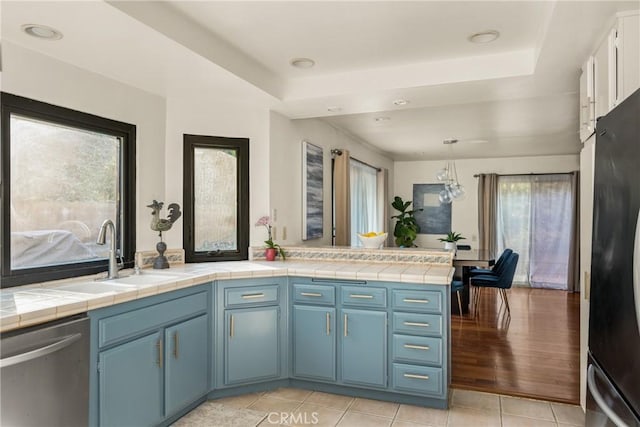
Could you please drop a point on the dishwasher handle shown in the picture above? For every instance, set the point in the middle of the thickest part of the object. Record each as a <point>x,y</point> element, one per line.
<point>40,352</point>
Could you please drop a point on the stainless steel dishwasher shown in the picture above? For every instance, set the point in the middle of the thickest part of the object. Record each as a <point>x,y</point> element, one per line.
<point>44,373</point>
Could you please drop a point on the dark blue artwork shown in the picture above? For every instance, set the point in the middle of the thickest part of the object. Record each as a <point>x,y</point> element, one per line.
<point>436,217</point>
<point>312,163</point>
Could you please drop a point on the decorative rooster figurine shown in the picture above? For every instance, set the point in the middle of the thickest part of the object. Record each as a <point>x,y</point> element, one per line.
<point>161,224</point>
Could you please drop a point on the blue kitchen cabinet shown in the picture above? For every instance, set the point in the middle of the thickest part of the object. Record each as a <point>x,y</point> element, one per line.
<point>130,377</point>
<point>252,344</point>
<point>152,357</point>
<point>364,347</point>
<point>314,342</point>
<point>186,363</point>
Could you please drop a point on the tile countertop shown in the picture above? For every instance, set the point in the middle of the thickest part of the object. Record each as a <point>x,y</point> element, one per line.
<point>28,305</point>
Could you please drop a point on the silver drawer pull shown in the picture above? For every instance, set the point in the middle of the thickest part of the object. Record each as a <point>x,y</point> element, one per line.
<point>419,301</point>
<point>416,376</point>
<point>249,296</point>
<point>417,347</point>
<point>361,296</point>
<point>310,294</point>
<point>422,325</point>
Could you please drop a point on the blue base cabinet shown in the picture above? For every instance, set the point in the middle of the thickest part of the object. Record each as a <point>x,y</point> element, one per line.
<point>314,342</point>
<point>363,358</point>
<point>130,380</point>
<point>151,358</point>
<point>250,331</point>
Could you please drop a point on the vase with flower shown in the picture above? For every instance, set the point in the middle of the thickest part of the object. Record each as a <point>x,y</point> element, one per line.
<point>272,249</point>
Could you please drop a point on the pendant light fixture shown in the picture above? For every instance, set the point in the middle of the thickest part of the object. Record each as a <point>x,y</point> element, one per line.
<point>448,175</point>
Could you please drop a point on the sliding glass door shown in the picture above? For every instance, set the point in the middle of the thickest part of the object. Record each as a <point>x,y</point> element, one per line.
<point>535,214</point>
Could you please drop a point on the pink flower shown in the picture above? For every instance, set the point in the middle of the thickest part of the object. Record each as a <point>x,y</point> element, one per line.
<point>265,220</point>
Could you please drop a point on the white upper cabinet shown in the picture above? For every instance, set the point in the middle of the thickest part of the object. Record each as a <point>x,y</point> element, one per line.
<point>587,101</point>
<point>616,67</point>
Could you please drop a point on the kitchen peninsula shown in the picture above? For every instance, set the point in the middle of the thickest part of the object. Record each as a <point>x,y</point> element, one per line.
<point>370,323</point>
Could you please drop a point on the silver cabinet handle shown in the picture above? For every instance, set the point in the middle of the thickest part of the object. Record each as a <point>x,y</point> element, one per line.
<point>249,296</point>
<point>422,325</point>
<point>417,347</point>
<point>416,376</point>
<point>40,352</point>
<point>595,393</point>
<point>328,323</point>
<point>346,327</point>
<point>175,345</point>
<point>231,326</point>
<point>418,301</point>
<point>310,294</point>
<point>636,269</point>
<point>361,296</point>
<point>159,353</point>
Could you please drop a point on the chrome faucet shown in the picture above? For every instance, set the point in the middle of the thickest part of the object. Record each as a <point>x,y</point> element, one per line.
<point>113,263</point>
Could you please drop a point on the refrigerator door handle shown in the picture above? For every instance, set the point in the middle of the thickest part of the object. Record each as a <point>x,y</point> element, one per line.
<point>595,393</point>
<point>636,270</point>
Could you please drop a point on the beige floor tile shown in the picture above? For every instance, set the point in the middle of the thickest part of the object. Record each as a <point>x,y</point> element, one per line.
<point>272,404</point>
<point>465,417</point>
<point>568,414</point>
<point>399,423</point>
<point>527,408</point>
<point>316,415</point>
<point>242,401</point>
<point>334,401</point>
<point>475,400</point>
<point>375,407</point>
<point>296,394</point>
<point>515,421</point>
<point>423,416</point>
<point>358,419</point>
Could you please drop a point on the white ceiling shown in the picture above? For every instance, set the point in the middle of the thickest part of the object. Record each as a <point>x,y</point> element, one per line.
<point>520,93</point>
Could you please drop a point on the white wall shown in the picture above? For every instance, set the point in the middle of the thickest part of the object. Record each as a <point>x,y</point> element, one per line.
<point>465,212</point>
<point>33,75</point>
<point>286,171</point>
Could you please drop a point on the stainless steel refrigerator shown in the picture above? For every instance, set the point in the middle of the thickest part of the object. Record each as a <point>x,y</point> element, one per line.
<point>613,376</point>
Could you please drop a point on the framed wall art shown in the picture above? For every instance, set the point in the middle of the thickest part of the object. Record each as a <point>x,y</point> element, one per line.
<point>312,188</point>
<point>436,217</point>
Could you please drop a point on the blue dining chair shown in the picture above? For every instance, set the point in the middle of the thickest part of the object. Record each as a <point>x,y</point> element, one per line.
<point>502,282</point>
<point>457,286</point>
<point>496,269</point>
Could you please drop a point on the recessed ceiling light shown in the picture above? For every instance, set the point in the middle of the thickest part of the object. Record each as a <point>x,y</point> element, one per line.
<point>382,119</point>
<point>484,36</point>
<point>400,102</point>
<point>334,109</point>
<point>302,62</point>
<point>42,32</point>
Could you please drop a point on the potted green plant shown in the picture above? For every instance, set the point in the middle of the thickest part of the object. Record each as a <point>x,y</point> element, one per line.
<point>406,229</point>
<point>450,241</point>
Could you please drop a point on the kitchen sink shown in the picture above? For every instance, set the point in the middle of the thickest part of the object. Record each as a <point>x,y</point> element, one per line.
<point>96,287</point>
<point>145,279</point>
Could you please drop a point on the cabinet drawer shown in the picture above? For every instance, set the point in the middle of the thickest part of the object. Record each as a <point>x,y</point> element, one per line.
<point>418,323</point>
<point>314,294</point>
<point>132,323</point>
<point>417,379</point>
<point>410,349</point>
<point>364,296</point>
<point>427,301</point>
<point>251,296</point>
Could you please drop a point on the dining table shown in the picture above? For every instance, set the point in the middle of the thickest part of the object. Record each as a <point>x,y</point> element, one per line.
<point>463,261</point>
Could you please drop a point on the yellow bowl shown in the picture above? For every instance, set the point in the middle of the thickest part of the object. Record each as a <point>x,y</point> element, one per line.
<point>372,242</point>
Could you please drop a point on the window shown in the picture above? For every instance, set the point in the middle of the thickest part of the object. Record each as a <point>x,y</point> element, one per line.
<point>535,214</point>
<point>216,192</point>
<point>63,172</point>
<point>364,199</point>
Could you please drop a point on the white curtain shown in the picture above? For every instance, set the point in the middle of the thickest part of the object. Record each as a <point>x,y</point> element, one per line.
<point>535,214</point>
<point>364,208</point>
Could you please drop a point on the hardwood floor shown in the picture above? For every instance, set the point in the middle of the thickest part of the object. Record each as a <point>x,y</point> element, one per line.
<point>534,353</point>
